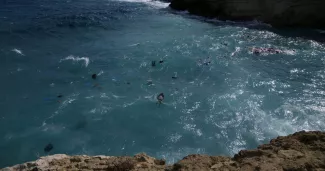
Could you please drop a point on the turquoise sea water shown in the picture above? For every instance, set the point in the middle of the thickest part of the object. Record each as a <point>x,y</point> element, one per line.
<point>50,48</point>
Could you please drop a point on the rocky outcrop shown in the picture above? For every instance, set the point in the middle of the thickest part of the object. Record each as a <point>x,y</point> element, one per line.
<point>302,151</point>
<point>281,13</point>
<point>60,162</point>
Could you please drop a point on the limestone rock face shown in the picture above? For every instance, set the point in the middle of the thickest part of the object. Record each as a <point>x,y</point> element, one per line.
<point>302,151</point>
<point>61,162</point>
<point>280,13</point>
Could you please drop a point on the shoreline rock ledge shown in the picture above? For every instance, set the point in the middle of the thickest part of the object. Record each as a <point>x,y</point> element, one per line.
<point>278,13</point>
<point>302,151</point>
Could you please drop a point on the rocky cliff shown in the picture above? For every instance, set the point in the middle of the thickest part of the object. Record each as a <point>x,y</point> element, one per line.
<point>302,151</point>
<point>280,13</point>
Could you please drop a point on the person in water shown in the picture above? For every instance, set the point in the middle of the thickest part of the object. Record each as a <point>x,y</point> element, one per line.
<point>160,98</point>
<point>94,76</point>
<point>59,96</point>
<point>153,63</point>
<point>258,51</point>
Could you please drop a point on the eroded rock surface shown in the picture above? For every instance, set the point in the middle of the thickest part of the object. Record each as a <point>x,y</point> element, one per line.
<point>302,151</point>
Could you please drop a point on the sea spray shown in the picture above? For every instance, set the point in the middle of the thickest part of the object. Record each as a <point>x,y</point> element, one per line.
<point>77,59</point>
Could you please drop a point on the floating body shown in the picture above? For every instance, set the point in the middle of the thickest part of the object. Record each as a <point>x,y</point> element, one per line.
<point>160,98</point>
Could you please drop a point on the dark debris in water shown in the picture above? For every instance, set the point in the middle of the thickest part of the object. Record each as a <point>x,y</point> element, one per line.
<point>48,148</point>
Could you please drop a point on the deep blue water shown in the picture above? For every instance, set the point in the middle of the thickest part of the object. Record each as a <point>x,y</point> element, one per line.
<point>52,47</point>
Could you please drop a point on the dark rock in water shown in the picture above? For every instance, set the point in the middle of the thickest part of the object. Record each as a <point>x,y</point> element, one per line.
<point>128,83</point>
<point>285,13</point>
<point>153,63</point>
<point>94,76</point>
<point>59,96</point>
<point>48,148</point>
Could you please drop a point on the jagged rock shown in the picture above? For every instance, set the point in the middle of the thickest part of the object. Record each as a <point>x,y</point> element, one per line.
<point>303,151</point>
<point>281,13</point>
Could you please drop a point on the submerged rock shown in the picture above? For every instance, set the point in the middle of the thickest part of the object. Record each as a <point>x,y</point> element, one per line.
<point>299,151</point>
<point>281,13</point>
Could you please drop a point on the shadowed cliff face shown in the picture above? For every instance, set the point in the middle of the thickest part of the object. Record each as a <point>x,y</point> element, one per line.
<point>300,151</point>
<point>280,13</point>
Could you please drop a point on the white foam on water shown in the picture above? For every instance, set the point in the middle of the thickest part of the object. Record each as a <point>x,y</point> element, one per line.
<point>131,103</point>
<point>104,95</point>
<point>135,44</point>
<point>117,97</point>
<point>18,51</point>
<point>93,110</point>
<point>320,31</point>
<point>174,155</point>
<point>174,137</point>
<point>53,128</point>
<point>89,97</point>
<point>152,3</point>
<point>289,52</point>
<point>73,58</point>
<point>237,50</point>
<point>100,73</point>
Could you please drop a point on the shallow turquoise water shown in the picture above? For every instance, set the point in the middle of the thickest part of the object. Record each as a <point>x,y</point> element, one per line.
<point>240,100</point>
